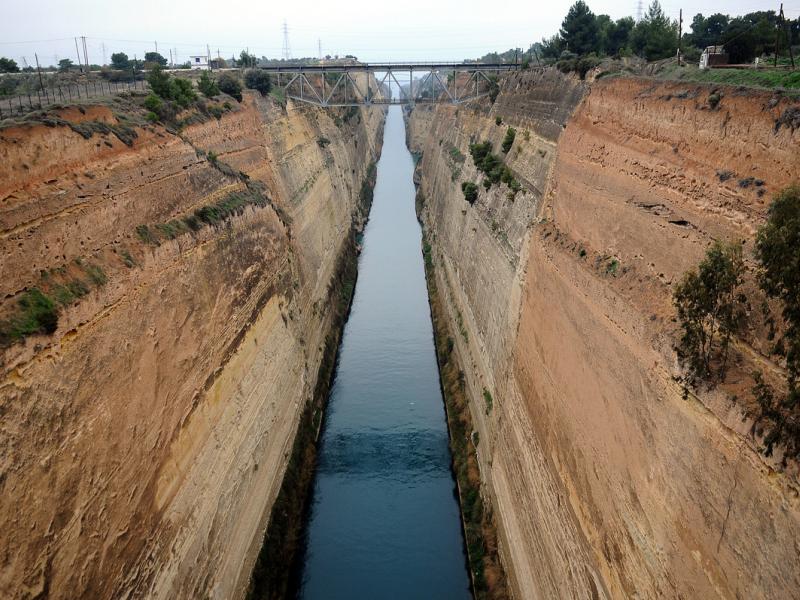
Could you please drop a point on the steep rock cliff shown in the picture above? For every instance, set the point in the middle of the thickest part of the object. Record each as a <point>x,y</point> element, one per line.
<point>605,481</point>
<point>144,441</point>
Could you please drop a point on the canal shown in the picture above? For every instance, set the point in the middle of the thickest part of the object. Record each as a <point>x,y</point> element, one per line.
<point>384,519</point>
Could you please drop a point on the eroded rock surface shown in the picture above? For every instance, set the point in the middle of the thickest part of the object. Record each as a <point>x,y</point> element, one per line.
<point>605,481</point>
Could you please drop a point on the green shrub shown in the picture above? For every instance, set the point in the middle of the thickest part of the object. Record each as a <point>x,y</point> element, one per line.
<point>153,103</point>
<point>37,313</point>
<point>777,245</point>
<point>255,79</point>
<point>498,120</point>
<point>508,140</point>
<point>230,85</point>
<point>159,81</point>
<point>151,116</point>
<point>709,311</point>
<point>207,85</point>
<point>470,191</point>
<point>144,233</point>
<point>182,92</point>
<point>487,398</point>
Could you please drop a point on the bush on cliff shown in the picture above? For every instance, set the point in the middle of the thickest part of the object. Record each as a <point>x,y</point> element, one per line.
<point>508,140</point>
<point>207,85</point>
<point>36,313</point>
<point>709,311</point>
<point>470,191</point>
<point>777,243</point>
<point>169,88</point>
<point>256,79</point>
<point>230,85</point>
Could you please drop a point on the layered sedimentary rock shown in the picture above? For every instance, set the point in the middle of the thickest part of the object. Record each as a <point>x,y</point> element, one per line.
<point>144,441</point>
<point>606,480</point>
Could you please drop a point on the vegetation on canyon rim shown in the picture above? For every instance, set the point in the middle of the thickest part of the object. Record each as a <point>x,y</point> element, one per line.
<point>710,307</point>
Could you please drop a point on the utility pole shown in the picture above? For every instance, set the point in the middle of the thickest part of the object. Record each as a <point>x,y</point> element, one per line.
<point>680,34</point>
<point>78,52</point>
<point>208,57</point>
<point>85,53</point>
<point>788,38</point>
<point>39,70</point>
<point>319,49</point>
<point>103,46</point>
<point>778,34</point>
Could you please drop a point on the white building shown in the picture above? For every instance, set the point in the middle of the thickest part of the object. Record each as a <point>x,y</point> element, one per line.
<point>198,62</point>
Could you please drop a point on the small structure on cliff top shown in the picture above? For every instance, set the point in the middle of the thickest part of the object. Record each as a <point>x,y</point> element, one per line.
<point>198,62</point>
<point>713,56</point>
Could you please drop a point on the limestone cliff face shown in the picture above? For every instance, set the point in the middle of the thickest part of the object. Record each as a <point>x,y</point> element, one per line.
<point>143,442</point>
<point>605,481</point>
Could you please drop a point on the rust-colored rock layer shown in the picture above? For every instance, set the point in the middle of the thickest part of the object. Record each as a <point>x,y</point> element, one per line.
<point>143,443</point>
<point>605,480</point>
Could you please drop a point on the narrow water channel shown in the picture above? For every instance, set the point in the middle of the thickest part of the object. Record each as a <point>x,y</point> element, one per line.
<point>384,520</point>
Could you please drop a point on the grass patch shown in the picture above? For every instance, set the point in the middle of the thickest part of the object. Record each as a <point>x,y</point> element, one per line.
<point>757,78</point>
<point>36,313</point>
<point>488,400</point>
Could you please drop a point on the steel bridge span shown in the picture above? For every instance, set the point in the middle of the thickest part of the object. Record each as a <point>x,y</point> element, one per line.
<point>367,84</point>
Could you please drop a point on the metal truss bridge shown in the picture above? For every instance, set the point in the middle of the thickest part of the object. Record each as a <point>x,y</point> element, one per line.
<point>368,84</point>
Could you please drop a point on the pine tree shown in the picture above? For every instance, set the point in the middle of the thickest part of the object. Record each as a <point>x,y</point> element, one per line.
<point>579,29</point>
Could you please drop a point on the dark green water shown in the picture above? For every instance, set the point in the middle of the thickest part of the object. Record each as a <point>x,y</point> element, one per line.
<point>384,520</point>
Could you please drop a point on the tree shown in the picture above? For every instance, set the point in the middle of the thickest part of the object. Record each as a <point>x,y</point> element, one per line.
<point>230,85</point>
<point>159,81</point>
<point>708,310</point>
<point>65,65</point>
<point>207,85</point>
<point>656,35</point>
<point>552,47</point>
<point>256,79</point>
<point>247,60</point>
<point>776,250</point>
<point>708,31</point>
<point>470,191</point>
<point>579,29</point>
<point>119,60</point>
<point>618,37</point>
<point>8,65</point>
<point>153,57</point>
<point>739,42</point>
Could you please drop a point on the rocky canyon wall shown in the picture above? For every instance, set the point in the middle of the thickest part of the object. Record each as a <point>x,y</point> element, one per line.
<point>145,434</point>
<point>606,480</point>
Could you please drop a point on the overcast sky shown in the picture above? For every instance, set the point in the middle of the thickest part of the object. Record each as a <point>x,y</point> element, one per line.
<point>372,30</point>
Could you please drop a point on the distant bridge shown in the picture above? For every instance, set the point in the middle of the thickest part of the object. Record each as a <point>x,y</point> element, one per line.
<point>338,85</point>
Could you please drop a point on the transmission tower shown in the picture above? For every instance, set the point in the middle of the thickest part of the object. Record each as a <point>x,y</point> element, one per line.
<point>639,10</point>
<point>287,51</point>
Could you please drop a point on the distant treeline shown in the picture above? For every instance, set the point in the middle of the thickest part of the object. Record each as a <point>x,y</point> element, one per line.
<point>655,36</point>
